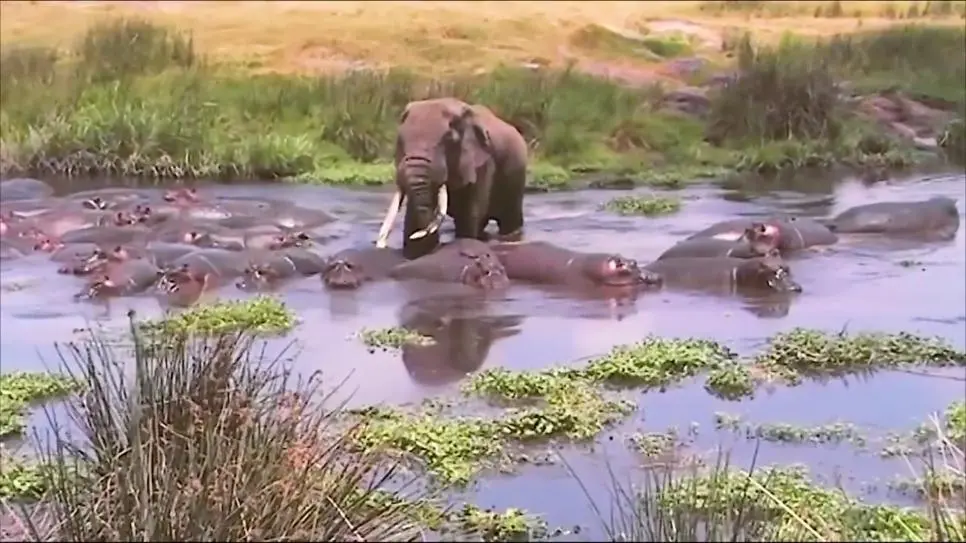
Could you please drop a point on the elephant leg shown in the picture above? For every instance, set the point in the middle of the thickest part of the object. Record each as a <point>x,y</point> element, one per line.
<point>464,218</point>
<point>509,207</point>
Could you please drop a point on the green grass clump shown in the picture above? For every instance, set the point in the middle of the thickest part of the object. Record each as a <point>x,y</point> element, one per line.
<point>262,314</point>
<point>795,509</point>
<point>20,389</point>
<point>809,353</point>
<point>208,440</point>
<point>21,480</point>
<point>392,338</point>
<point>648,205</point>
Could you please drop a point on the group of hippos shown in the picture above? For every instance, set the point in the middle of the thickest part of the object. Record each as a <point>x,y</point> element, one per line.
<point>181,245</point>
<point>452,160</point>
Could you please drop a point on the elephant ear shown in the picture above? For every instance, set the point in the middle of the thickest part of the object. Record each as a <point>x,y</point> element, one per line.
<point>476,146</point>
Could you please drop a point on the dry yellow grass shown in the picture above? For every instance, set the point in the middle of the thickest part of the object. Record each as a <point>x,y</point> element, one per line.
<point>430,36</point>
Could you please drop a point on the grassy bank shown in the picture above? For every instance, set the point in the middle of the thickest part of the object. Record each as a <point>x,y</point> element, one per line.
<point>134,99</point>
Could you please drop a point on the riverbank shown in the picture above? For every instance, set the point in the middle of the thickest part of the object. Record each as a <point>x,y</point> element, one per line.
<point>158,108</point>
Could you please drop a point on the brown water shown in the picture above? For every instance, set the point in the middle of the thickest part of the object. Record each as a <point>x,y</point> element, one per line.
<point>858,284</point>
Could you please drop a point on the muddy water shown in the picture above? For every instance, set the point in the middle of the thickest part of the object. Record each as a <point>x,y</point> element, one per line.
<point>859,284</point>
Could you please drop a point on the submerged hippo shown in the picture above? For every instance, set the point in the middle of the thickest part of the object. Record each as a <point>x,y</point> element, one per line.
<point>793,233</point>
<point>727,273</point>
<point>351,268</point>
<point>107,235</point>
<point>23,188</point>
<point>936,217</point>
<point>544,263</point>
<point>122,279</point>
<point>260,237</point>
<point>757,240</point>
<point>267,269</point>
<point>468,261</point>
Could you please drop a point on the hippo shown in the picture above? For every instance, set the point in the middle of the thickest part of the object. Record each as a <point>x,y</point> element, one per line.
<point>107,198</point>
<point>59,221</point>
<point>462,335</point>
<point>468,261</point>
<point>757,240</point>
<point>200,234</point>
<point>268,268</point>
<point>262,237</point>
<point>794,233</point>
<point>543,263</point>
<point>210,268</point>
<point>24,188</point>
<point>936,217</point>
<point>107,235</point>
<point>351,268</point>
<point>122,279</point>
<point>77,257</point>
<point>767,273</point>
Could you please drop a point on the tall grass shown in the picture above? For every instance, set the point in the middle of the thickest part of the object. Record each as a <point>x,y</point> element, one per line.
<point>720,503</point>
<point>209,441</point>
<point>135,99</point>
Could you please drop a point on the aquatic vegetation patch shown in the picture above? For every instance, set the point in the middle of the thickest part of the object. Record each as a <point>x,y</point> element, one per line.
<point>510,525</point>
<point>392,338</point>
<point>262,315</point>
<point>454,449</point>
<point>646,205</point>
<point>832,433</point>
<point>802,353</point>
<point>21,480</point>
<point>20,389</point>
<point>795,509</point>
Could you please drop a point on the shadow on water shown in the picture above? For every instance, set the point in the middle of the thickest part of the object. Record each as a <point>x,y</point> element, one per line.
<point>862,283</point>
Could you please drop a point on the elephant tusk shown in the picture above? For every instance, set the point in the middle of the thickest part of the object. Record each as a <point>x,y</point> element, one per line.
<point>442,209</point>
<point>383,240</point>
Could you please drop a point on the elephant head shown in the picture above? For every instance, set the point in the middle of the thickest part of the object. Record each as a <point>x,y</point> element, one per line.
<point>440,145</point>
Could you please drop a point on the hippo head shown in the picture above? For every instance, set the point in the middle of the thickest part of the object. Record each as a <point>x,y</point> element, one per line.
<point>181,196</point>
<point>618,271</point>
<point>767,273</point>
<point>257,277</point>
<point>484,271</point>
<point>290,239</point>
<point>200,239</point>
<point>343,274</point>
<point>182,286</point>
<point>123,218</point>
<point>46,244</point>
<point>761,237</point>
<point>96,203</point>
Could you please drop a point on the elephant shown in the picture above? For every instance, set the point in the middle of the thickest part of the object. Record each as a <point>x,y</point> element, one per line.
<point>757,240</point>
<point>351,268</point>
<point>722,273</point>
<point>460,160</point>
<point>468,261</point>
<point>543,263</point>
<point>23,188</point>
<point>936,217</point>
<point>794,233</point>
<point>266,269</point>
<point>122,279</point>
<point>461,337</point>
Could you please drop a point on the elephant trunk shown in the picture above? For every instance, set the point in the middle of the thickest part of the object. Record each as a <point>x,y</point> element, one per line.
<point>426,206</point>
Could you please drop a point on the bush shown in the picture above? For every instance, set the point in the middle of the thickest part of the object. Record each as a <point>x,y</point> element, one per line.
<point>783,93</point>
<point>209,441</point>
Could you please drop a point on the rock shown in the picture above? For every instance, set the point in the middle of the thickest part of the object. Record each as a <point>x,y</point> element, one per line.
<point>690,100</point>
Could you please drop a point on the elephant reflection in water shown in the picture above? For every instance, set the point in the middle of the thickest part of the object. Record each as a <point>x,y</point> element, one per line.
<point>462,336</point>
